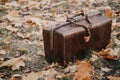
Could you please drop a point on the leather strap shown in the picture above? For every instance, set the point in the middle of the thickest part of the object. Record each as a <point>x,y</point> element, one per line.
<point>74,24</point>
<point>86,38</point>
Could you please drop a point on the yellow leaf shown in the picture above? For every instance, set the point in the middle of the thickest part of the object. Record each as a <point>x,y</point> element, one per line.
<point>84,71</point>
<point>14,62</point>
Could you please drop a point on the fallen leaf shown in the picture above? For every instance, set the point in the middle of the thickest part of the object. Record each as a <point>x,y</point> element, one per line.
<point>23,2</point>
<point>106,69</point>
<point>117,41</point>
<point>60,18</point>
<point>49,74</point>
<point>27,36</point>
<point>84,71</point>
<point>13,13</point>
<point>92,1</point>
<point>115,25</point>
<point>20,35</point>
<point>32,76</point>
<point>115,52</point>
<point>3,52</point>
<point>41,53</point>
<point>7,48</point>
<point>113,78</point>
<point>24,36</point>
<point>7,40</point>
<point>10,28</point>
<point>22,49</point>
<point>35,42</point>
<point>31,22</point>
<point>51,66</point>
<point>94,58</point>
<point>108,12</point>
<point>33,4</point>
<point>16,77</point>
<point>108,54</point>
<point>14,62</point>
<point>70,69</point>
<point>4,0</point>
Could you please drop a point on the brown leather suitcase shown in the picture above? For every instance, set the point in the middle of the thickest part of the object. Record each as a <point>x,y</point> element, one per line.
<point>69,41</point>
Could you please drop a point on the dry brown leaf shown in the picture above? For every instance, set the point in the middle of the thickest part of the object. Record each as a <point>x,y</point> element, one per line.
<point>32,76</point>
<point>60,18</point>
<point>14,62</point>
<point>41,53</point>
<point>20,35</point>
<point>31,22</point>
<point>113,78</point>
<point>7,48</point>
<point>4,1</point>
<point>115,25</point>
<point>94,58</point>
<point>38,43</point>
<point>14,13</point>
<point>84,71</point>
<point>108,12</point>
<point>76,2</point>
<point>7,40</point>
<point>107,54</point>
<point>22,49</point>
<point>24,36</point>
<point>33,4</point>
<point>3,52</point>
<point>23,2</point>
<point>16,77</point>
<point>27,36</point>
<point>49,74</point>
<point>12,29</point>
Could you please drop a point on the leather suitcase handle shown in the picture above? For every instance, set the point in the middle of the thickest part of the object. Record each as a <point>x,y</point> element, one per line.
<point>73,22</point>
<point>80,14</point>
<point>86,38</point>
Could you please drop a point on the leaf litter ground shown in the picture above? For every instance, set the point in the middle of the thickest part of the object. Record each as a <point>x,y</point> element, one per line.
<point>21,25</point>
